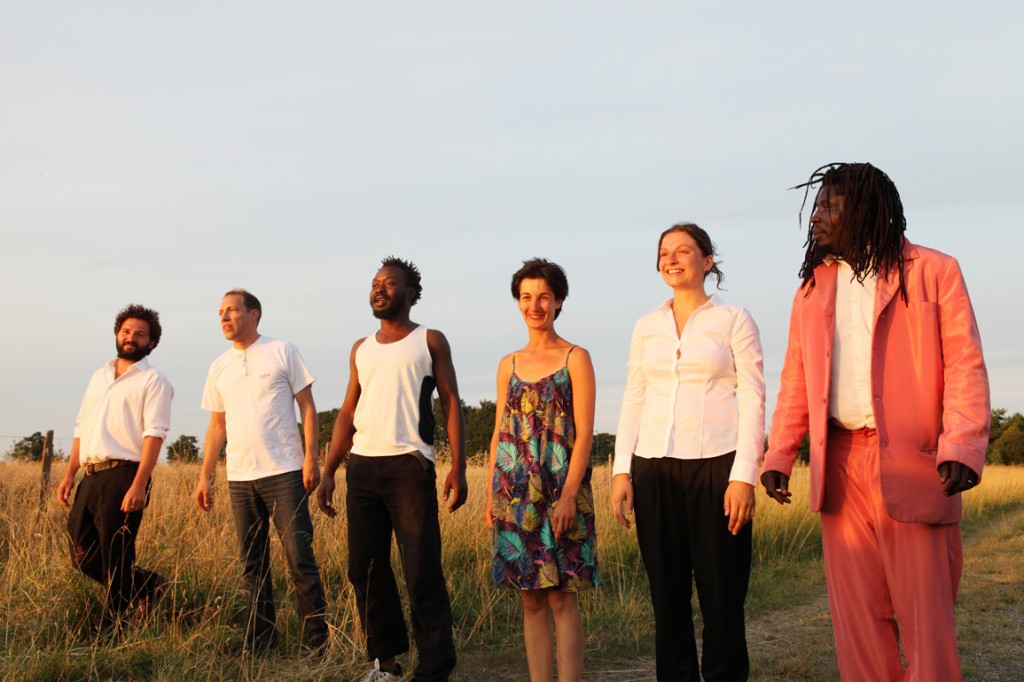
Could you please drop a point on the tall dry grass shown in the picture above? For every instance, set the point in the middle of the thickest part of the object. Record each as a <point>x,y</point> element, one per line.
<point>46,607</point>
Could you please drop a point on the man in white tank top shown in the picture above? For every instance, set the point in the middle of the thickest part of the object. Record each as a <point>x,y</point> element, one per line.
<point>386,427</point>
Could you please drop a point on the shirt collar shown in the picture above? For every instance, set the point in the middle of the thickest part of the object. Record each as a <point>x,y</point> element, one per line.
<point>714,300</point>
<point>140,365</point>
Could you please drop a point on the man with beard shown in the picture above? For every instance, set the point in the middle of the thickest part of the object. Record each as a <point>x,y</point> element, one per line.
<point>251,391</point>
<point>884,369</point>
<point>121,425</point>
<point>386,428</point>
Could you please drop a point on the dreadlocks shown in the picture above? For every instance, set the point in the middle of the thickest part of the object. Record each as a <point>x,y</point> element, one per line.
<point>872,216</point>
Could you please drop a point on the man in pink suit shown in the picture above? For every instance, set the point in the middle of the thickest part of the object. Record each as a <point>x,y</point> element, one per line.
<point>884,370</point>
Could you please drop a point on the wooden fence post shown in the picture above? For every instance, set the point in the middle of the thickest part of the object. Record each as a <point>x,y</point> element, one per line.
<point>44,486</point>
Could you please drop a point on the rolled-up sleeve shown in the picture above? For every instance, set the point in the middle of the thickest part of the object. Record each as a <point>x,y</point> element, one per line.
<point>156,415</point>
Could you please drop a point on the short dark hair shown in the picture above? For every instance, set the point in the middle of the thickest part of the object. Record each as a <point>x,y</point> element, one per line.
<point>541,268</point>
<point>707,248</point>
<point>135,311</point>
<point>412,274</point>
<point>249,301</point>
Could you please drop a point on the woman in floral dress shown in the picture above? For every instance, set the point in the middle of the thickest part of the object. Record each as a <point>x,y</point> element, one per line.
<point>540,504</point>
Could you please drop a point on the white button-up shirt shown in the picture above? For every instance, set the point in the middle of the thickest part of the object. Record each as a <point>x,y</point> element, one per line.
<point>849,395</point>
<point>694,395</point>
<point>117,414</point>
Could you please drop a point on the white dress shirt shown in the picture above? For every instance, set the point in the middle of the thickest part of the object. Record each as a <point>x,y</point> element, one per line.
<point>849,393</point>
<point>117,414</point>
<point>695,395</point>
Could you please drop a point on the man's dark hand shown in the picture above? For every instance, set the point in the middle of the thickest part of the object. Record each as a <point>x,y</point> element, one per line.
<point>455,488</point>
<point>776,484</point>
<point>956,477</point>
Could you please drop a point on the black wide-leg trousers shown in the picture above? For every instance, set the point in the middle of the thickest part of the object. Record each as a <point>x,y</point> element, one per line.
<point>683,531</point>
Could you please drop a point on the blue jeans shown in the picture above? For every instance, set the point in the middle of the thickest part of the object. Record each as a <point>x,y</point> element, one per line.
<point>398,494</point>
<point>283,499</point>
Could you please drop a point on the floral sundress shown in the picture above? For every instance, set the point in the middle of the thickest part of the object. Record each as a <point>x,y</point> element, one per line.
<point>535,444</point>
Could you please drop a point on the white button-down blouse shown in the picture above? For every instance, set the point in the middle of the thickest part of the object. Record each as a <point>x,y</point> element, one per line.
<point>696,395</point>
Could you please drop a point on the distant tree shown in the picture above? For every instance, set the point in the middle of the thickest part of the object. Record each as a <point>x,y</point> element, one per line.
<point>603,447</point>
<point>184,449</point>
<point>1008,445</point>
<point>480,428</point>
<point>996,425</point>
<point>803,452</point>
<point>326,420</point>
<point>440,434</point>
<point>28,449</point>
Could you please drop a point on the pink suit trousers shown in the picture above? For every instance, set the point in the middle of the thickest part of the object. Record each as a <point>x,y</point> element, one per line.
<point>887,580</point>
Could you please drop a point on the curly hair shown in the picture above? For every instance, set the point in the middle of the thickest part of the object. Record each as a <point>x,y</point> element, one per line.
<point>137,312</point>
<point>541,268</point>
<point>872,217</point>
<point>412,274</point>
<point>703,240</point>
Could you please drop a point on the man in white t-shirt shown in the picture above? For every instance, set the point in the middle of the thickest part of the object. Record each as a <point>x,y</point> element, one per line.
<point>386,427</point>
<point>251,391</point>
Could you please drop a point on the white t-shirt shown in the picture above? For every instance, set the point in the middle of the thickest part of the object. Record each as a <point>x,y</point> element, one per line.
<point>255,389</point>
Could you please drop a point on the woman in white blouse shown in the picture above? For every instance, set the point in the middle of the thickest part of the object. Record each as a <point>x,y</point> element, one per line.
<point>687,452</point>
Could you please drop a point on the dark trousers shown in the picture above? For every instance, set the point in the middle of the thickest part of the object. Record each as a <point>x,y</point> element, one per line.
<point>283,499</point>
<point>103,538</point>
<point>398,494</point>
<point>682,530</point>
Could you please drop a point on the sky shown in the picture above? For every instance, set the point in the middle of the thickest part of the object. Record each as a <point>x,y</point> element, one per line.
<point>163,153</point>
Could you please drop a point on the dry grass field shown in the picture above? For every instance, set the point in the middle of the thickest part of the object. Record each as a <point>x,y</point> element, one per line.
<point>45,606</point>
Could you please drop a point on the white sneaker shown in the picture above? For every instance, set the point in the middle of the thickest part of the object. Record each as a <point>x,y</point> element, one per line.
<point>377,675</point>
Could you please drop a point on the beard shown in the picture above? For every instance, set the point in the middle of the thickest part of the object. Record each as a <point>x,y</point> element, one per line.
<point>134,354</point>
<point>389,313</point>
<point>392,310</point>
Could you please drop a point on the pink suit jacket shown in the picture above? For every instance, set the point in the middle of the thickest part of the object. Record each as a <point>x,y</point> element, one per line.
<point>929,384</point>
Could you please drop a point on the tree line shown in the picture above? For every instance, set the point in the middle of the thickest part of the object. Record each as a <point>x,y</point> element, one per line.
<point>1005,442</point>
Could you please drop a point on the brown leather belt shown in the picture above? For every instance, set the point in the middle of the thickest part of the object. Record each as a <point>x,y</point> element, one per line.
<point>91,469</point>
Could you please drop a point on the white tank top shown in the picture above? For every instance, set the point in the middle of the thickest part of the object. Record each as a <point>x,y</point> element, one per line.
<point>395,413</point>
